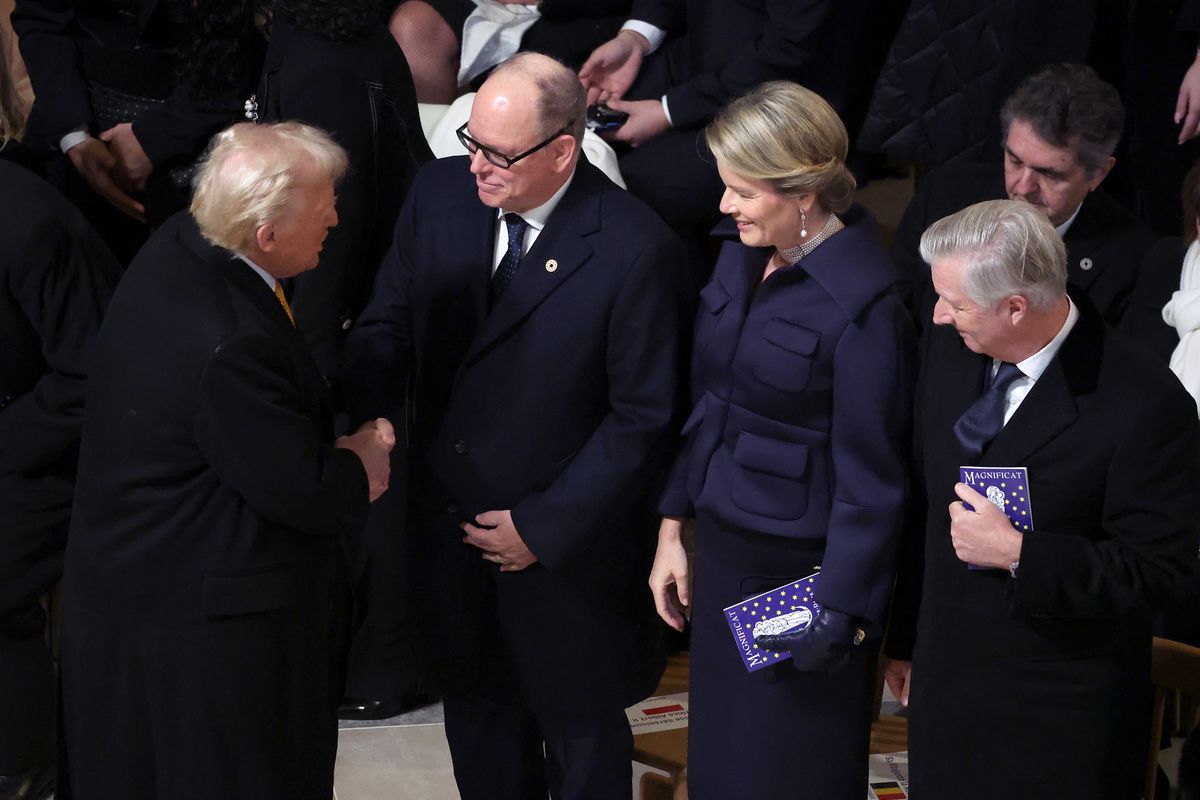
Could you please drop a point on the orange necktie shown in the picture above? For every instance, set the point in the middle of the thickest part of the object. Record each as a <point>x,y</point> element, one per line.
<point>283,302</point>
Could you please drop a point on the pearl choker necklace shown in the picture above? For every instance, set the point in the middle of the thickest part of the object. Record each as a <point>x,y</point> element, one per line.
<point>793,254</point>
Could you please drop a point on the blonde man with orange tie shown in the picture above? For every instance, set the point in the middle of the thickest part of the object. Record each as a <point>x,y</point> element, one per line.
<point>203,565</point>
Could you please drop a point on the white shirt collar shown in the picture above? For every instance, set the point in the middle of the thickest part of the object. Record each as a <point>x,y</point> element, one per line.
<point>1061,230</point>
<point>537,217</point>
<point>1036,364</point>
<point>262,273</point>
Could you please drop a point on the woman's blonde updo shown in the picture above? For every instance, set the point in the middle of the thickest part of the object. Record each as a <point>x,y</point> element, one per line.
<point>789,137</point>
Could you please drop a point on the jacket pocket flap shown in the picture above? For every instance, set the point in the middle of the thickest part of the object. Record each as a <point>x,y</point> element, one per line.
<point>248,593</point>
<point>790,336</point>
<point>714,297</point>
<point>785,459</point>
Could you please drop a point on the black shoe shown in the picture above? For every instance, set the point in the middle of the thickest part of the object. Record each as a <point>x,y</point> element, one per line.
<point>366,708</point>
<point>32,784</point>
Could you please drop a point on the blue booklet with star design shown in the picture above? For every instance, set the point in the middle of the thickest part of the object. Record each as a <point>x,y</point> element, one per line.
<point>1007,488</point>
<point>784,609</point>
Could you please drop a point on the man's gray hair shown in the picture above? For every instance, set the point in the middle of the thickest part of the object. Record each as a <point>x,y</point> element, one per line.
<point>247,177</point>
<point>562,100</point>
<point>1068,105</point>
<point>1010,249</point>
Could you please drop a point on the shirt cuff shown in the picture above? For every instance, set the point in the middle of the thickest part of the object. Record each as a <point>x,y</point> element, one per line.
<point>654,34</point>
<point>667,111</point>
<point>77,136</point>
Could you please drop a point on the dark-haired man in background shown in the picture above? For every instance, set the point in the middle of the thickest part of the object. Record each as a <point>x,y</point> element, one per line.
<point>1061,127</point>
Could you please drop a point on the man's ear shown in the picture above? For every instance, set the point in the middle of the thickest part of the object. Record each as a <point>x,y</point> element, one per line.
<point>1102,173</point>
<point>563,151</point>
<point>1017,307</point>
<point>264,237</point>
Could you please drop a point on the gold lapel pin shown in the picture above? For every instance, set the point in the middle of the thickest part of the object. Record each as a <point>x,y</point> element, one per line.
<point>551,265</point>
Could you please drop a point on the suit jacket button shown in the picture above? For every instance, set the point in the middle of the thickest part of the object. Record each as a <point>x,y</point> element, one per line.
<point>451,507</point>
<point>460,447</point>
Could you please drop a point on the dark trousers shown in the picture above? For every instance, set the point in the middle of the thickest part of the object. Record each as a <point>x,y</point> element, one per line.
<point>381,663</point>
<point>33,534</point>
<point>504,752</point>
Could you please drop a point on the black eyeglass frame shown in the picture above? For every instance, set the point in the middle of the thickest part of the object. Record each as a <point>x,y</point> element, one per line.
<point>506,162</point>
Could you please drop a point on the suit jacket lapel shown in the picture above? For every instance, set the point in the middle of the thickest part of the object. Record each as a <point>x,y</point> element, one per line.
<point>1051,405</point>
<point>1045,412</point>
<point>559,251</point>
<point>260,295</point>
<point>957,377</point>
<point>1081,238</point>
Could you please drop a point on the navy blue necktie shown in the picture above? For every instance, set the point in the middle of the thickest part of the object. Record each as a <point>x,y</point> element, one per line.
<point>980,423</point>
<point>512,259</point>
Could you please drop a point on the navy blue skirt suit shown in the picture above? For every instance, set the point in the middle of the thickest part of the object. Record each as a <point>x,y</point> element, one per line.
<point>794,457</point>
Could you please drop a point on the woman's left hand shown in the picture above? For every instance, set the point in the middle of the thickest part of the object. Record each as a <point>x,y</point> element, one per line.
<point>824,646</point>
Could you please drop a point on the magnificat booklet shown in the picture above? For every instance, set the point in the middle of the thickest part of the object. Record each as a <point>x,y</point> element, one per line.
<point>784,609</point>
<point>1007,488</point>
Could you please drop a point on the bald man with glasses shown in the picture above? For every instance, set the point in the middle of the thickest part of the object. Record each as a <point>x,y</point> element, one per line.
<point>526,329</point>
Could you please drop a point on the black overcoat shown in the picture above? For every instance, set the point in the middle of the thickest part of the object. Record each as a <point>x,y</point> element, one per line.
<point>1038,687</point>
<point>203,559</point>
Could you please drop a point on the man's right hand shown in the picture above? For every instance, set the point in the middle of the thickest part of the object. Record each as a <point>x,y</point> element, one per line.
<point>93,161</point>
<point>373,443</point>
<point>669,575</point>
<point>898,675</point>
<point>613,66</point>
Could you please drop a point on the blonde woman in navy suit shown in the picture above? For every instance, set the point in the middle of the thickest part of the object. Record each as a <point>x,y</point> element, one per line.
<point>794,455</point>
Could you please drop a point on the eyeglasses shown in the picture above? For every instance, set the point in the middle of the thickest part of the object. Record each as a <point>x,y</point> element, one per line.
<point>499,159</point>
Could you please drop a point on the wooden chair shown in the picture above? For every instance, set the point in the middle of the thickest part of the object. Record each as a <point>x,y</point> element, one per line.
<point>1175,671</point>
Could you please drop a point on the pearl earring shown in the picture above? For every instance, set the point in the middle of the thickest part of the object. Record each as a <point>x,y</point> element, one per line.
<point>803,225</point>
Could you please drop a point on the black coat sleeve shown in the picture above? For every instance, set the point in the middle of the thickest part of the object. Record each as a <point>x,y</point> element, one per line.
<point>46,31</point>
<point>59,277</point>
<point>783,47</point>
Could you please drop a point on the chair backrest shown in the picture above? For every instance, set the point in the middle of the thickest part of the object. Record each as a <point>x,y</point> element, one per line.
<point>1175,671</point>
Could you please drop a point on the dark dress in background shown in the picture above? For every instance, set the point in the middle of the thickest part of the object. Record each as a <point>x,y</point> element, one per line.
<point>97,63</point>
<point>56,277</point>
<point>794,458</point>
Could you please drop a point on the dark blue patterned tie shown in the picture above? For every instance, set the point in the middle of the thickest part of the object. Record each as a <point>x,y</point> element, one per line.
<point>980,423</point>
<point>512,259</point>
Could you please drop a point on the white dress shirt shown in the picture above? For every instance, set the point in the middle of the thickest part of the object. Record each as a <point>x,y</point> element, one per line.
<point>1033,367</point>
<point>536,217</point>
<point>1061,230</point>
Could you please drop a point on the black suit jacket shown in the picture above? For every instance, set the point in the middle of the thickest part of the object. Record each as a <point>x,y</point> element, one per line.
<point>1105,243</point>
<point>1047,676</point>
<point>720,49</point>
<point>361,93</point>
<point>203,559</point>
<point>557,404</point>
